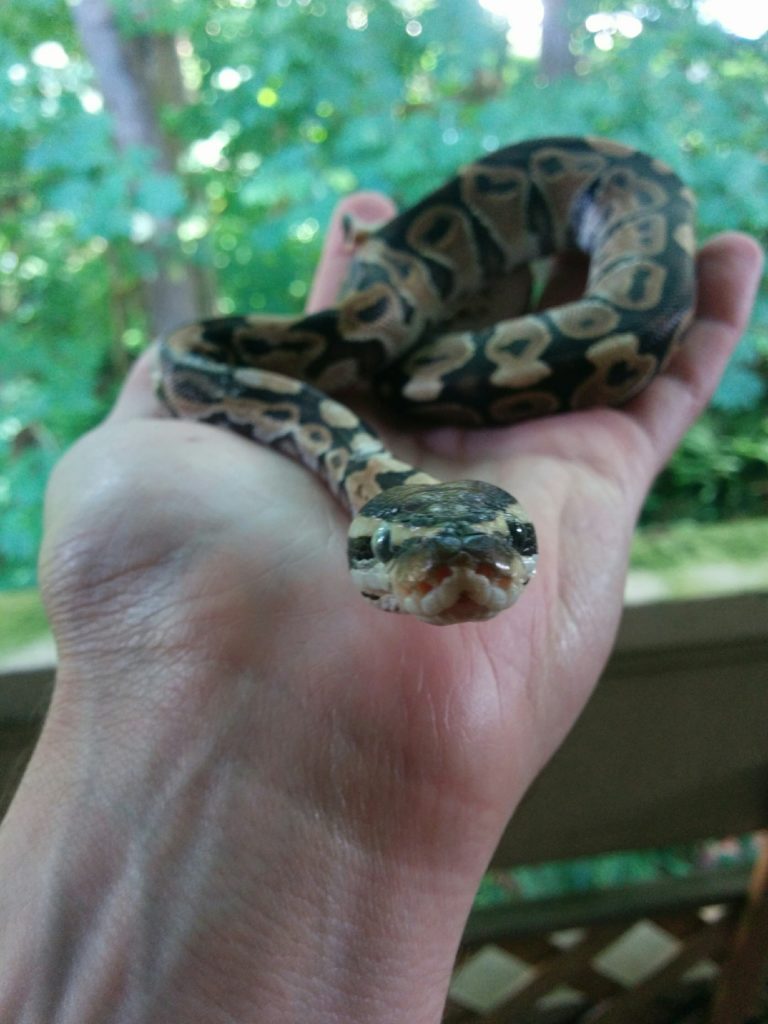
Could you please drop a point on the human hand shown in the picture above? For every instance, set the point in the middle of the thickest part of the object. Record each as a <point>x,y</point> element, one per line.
<point>325,776</point>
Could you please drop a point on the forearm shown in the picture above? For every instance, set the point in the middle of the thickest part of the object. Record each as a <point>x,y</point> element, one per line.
<point>153,874</point>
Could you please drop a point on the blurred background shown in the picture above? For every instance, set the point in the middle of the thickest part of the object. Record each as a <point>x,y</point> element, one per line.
<point>166,160</point>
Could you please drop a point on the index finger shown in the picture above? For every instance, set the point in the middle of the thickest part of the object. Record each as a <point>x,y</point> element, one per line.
<point>137,398</point>
<point>370,208</point>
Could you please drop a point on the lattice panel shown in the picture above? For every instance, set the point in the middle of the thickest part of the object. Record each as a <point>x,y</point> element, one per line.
<point>656,970</point>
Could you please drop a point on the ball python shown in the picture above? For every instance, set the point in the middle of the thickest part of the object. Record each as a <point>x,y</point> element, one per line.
<point>413,324</point>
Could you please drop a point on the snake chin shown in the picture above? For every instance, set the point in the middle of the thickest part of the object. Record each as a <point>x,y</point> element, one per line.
<point>463,594</point>
<point>443,594</point>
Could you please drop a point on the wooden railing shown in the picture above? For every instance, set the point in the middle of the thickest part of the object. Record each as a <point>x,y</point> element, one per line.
<point>673,747</point>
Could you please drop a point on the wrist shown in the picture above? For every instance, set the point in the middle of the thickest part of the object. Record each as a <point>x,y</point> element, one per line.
<point>166,870</point>
<point>240,819</point>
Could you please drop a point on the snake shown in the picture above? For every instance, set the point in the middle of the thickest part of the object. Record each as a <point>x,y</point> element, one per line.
<point>417,324</point>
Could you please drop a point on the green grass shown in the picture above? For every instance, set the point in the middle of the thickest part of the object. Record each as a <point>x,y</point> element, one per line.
<point>688,543</point>
<point>22,619</point>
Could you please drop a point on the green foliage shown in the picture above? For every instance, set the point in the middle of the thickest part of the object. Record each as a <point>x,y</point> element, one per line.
<point>292,104</point>
<point>22,619</point>
<point>688,543</point>
<point>720,470</point>
<point>612,870</point>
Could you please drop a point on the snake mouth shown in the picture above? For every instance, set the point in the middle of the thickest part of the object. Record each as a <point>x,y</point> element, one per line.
<point>460,593</point>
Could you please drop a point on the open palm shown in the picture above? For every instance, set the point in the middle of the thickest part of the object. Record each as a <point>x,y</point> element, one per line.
<point>169,540</point>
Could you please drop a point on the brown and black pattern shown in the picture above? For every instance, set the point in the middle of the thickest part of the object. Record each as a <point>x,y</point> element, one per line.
<point>405,324</point>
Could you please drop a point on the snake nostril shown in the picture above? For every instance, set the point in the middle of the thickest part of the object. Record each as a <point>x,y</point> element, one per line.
<point>447,544</point>
<point>478,544</point>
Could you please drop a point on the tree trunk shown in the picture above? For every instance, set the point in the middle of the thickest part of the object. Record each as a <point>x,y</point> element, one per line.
<point>136,76</point>
<point>556,60</point>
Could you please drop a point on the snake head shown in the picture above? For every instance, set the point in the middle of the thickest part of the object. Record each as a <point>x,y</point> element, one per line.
<point>446,553</point>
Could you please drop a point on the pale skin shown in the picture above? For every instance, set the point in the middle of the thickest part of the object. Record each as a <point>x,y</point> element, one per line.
<point>256,798</point>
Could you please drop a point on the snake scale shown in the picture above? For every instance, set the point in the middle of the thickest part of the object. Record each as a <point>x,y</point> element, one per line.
<point>413,324</point>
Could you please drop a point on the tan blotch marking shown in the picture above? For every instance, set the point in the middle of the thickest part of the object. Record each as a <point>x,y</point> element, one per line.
<point>686,238</point>
<point>444,234</point>
<point>336,462</point>
<point>174,391</point>
<point>190,339</point>
<point>636,285</point>
<point>363,526</point>
<point>408,276</point>
<point>271,335</point>
<point>573,173</point>
<point>361,313</point>
<point>337,415</point>
<point>515,347</point>
<point>585,319</point>
<point>374,314</point>
<point>646,236</point>
<point>291,352</point>
<point>363,484</point>
<point>314,438</point>
<point>616,353</point>
<point>276,382</point>
<point>428,366</point>
<point>522,406</point>
<point>497,525</point>
<point>270,420</point>
<point>609,147</point>
<point>364,442</point>
<point>564,166</point>
<point>498,196</point>
<point>622,191</point>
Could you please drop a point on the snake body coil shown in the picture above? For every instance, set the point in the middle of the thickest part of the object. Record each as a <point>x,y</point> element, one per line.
<point>417,321</point>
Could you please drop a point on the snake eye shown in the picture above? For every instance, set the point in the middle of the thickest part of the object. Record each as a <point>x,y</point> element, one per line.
<point>381,543</point>
<point>523,537</point>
